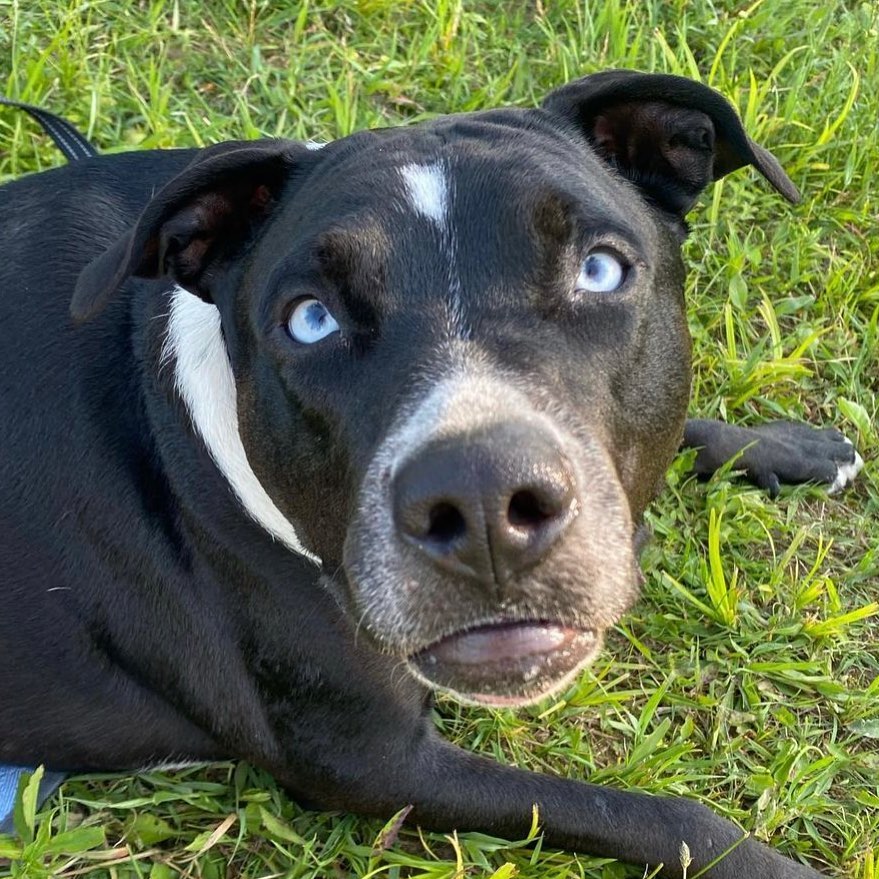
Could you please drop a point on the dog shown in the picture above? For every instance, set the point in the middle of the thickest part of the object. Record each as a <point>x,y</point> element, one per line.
<point>296,434</point>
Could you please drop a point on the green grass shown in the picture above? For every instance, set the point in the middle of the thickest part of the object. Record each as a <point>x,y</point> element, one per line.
<point>748,675</point>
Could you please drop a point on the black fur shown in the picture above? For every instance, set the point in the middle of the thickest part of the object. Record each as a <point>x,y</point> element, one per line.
<point>145,617</point>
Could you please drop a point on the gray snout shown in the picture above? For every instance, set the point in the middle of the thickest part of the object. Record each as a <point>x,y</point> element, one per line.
<point>487,504</point>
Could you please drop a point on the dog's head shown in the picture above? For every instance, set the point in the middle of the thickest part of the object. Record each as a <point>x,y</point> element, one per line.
<point>451,361</point>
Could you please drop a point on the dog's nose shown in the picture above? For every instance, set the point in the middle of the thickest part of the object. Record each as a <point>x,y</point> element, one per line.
<point>488,505</point>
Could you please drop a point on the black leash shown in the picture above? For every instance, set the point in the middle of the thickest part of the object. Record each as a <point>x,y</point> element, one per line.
<point>73,144</point>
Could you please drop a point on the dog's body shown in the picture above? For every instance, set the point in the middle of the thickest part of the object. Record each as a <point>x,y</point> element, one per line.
<point>419,384</point>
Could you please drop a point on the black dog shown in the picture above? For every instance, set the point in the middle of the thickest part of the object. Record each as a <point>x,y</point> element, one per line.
<point>334,426</point>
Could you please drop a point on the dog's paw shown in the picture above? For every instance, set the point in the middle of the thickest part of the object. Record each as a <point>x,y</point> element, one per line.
<point>791,453</point>
<point>846,472</point>
<point>776,453</point>
<point>755,860</point>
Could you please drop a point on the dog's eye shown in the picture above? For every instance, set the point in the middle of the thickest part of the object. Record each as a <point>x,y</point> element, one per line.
<point>602,272</point>
<point>310,321</point>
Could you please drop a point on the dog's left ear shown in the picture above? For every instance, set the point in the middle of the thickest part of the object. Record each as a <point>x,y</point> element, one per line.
<point>669,135</point>
<point>190,225</point>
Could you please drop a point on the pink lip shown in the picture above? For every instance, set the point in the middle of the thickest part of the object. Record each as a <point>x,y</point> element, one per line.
<point>497,644</point>
<point>508,663</point>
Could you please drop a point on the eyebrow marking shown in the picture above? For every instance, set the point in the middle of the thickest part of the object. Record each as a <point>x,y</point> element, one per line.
<point>427,188</point>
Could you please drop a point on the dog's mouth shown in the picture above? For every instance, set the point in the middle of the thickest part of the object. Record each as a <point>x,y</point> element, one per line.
<point>506,664</point>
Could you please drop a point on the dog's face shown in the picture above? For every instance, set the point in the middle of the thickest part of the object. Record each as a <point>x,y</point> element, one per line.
<point>447,367</point>
<point>457,356</point>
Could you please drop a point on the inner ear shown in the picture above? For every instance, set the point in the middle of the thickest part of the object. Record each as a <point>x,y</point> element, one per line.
<point>668,151</point>
<point>201,218</point>
<point>671,136</point>
<point>185,240</point>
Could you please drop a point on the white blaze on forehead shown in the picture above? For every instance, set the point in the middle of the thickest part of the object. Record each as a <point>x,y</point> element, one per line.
<point>428,192</point>
<point>314,145</point>
<point>427,188</point>
<point>203,378</point>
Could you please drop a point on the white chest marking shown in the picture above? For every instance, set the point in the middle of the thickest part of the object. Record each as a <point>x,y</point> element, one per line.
<point>204,380</point>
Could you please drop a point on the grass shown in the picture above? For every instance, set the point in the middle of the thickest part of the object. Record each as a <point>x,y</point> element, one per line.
<point>748,676</point>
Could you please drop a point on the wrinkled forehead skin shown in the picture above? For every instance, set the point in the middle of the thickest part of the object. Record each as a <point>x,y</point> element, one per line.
<point>451,247</point>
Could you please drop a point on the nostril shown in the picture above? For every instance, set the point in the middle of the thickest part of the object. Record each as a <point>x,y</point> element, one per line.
<point>537,506</point>
<point>446,523</point>
<point>526,510</point>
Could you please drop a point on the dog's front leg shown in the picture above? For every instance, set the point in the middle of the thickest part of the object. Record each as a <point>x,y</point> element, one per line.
<point>780,452</point>
<point>451,789</point>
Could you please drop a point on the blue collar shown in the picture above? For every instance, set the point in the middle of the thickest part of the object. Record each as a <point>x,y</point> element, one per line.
<point>10,777</point>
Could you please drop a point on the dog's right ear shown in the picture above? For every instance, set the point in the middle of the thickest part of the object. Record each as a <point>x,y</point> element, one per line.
<point>204,213</point>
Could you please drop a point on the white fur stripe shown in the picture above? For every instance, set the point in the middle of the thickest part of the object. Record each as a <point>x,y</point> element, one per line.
<point>204,380</point>
<point>428,191</point>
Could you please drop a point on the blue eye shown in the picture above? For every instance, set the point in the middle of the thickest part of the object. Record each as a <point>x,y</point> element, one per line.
<point>309,322</point>
<point>602,272</point>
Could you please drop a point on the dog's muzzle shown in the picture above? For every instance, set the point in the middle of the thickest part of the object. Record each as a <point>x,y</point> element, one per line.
<point>490,552</point>
<point>488,510</point>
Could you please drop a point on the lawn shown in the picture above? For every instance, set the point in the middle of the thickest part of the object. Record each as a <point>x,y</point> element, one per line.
<point>748,675</point>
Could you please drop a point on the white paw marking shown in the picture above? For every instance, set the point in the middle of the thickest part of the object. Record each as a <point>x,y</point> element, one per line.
<point>846,473</point>
<point>203,378</point>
